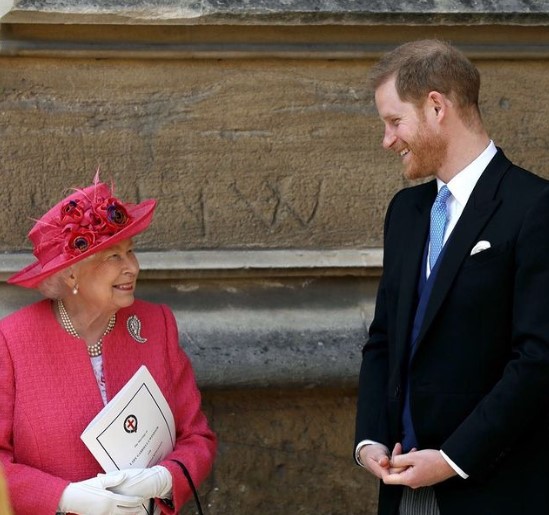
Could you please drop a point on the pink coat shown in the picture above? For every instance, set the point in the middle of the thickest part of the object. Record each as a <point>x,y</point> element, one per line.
<point>48,395</point>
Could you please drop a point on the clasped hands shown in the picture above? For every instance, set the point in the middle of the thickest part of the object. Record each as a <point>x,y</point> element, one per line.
<point>414,469</point>
<point>121,492</point>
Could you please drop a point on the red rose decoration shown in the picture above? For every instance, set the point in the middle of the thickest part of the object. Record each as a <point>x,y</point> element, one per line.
<point>79,241</point>
<point>71,212</point>
<point>113,214</point>
<point>98,224</point>
<point>117,214</point>
<point>86,222</point>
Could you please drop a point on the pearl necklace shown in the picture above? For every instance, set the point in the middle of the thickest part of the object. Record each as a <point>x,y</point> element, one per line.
<point>93,350</point>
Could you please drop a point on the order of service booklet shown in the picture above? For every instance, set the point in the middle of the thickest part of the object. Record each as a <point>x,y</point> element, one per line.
<point>136,428</point>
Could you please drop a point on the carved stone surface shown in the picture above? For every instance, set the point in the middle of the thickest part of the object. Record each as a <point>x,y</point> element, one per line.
<point>239,154</point>
<point>277,11</point>
<point>286,452</point>
<point>258,333</point>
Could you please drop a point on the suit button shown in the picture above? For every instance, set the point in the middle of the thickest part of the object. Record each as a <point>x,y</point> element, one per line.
<point>397,391</point>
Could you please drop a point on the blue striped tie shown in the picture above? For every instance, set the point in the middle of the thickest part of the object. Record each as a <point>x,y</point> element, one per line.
<point>439,220</point>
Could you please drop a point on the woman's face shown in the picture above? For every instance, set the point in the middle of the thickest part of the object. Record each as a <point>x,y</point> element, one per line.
<point>106,281</point>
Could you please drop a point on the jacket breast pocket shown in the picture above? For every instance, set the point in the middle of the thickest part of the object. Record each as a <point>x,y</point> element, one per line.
<point>501,251</point>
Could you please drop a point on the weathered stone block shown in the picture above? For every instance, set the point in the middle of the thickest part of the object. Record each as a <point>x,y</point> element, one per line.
<point>240,154</point>
<point>273,11</point>
<point>287,451</point>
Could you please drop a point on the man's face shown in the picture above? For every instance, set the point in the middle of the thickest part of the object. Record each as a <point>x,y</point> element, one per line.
<point>410,134</point>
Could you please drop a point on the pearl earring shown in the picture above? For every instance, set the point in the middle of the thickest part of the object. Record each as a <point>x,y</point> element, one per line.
<point>75,289</point>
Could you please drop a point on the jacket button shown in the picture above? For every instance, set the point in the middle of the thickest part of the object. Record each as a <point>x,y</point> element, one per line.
<point>397,391</point>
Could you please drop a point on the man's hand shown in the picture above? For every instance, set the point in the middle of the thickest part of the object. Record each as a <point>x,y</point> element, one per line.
<point>375,457</point>
<point>397,451</point>
<point>420,468</point>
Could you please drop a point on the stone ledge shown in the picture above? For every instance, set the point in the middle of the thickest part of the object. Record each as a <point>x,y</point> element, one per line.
<point>276,50</point>
<point>286,332</point>
<point>276,12</point>
<point>237,263</point>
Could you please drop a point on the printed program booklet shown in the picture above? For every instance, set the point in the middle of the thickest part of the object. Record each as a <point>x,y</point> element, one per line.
<point>136,429</point>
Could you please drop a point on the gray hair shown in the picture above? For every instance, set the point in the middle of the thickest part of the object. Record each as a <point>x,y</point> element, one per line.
<point>55,286</point>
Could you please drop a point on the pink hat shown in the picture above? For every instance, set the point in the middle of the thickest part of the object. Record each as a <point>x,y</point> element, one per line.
<point>80,225</point>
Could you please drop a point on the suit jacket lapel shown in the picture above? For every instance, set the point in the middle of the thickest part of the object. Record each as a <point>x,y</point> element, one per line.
<point>414,237</point>
<point>479,209</point>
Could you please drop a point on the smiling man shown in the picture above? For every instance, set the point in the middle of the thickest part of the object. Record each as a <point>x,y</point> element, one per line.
<point>453,407</point>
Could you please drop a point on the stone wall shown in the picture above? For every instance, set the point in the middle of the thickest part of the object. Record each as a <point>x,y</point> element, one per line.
<point>240,153</point>
<point>251,124</point>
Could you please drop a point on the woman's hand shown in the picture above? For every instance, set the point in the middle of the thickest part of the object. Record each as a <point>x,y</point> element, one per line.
<point>94,497</point>
<point>148,483</point>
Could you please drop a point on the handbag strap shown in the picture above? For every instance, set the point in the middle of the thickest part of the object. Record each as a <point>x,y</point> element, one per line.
<point>191,484</point>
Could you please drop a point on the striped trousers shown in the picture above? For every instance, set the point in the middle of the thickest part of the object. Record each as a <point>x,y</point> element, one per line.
<point>421,501</point>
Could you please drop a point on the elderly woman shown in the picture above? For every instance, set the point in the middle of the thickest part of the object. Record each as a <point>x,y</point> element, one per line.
<point>63,358</point>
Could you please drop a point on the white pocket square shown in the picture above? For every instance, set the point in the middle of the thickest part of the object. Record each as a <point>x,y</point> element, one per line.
<point>480,246</point>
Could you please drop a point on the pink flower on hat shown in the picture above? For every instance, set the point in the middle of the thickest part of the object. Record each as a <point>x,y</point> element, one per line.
<point>71,212</point>
<point>113,214</point>
<point>79,241</point>
<point>87,221</point>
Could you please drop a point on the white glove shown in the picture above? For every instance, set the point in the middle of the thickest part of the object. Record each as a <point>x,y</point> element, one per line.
<point>91,497</point>
<point>148,483</point>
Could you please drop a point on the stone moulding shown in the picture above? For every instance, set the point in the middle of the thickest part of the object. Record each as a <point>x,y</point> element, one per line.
<point>236,50</point>
<point>300,321</point>
<point>276,12</point>
<point>238,263</point>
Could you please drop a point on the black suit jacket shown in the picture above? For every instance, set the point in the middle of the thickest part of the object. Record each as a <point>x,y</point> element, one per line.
<point>479,377</point>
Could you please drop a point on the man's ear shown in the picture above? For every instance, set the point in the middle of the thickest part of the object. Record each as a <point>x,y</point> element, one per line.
<point>436,104</point>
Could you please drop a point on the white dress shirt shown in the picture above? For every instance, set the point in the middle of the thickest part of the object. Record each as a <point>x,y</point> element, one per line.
<point>461,186</point>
